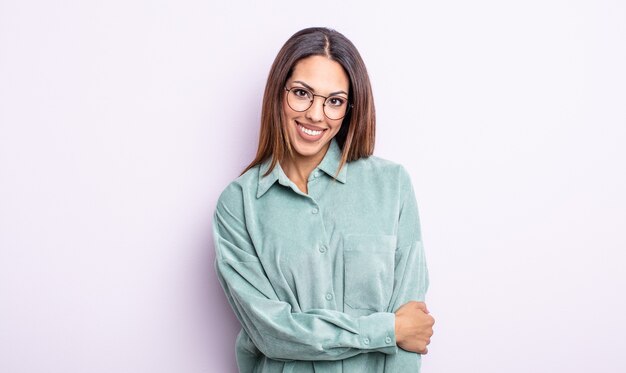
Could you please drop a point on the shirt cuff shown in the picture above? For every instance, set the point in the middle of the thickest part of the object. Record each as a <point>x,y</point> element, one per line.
<point>378,332</point>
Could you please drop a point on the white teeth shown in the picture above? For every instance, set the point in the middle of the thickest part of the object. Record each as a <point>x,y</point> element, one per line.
<point>308,131</point>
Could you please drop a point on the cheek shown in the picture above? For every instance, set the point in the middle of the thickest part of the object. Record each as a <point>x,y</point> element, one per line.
<point>337,124</point>
<point>287,112</point>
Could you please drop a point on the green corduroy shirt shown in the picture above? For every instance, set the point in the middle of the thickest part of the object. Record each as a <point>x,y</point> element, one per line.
<point>315,279</point>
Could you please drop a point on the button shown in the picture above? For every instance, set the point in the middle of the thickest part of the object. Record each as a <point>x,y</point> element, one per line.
<point>329,296</point>
<point>315,210</point>
<point>366,341</point>
<point>317,174</point>
<point>388,340</point>
<point>322,249</point>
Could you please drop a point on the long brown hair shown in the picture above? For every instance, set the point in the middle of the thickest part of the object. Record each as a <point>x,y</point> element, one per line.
<point>358,129</point>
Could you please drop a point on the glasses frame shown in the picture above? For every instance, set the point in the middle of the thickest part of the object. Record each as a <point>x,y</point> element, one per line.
<point>313,99</point>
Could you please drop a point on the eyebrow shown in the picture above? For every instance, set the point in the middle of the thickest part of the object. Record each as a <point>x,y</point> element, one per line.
<point>313,90</point>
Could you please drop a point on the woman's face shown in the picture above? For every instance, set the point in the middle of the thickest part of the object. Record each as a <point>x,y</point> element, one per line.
<point>310,131</point>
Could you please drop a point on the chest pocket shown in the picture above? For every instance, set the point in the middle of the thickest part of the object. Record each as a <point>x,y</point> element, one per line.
<point>368,270</point>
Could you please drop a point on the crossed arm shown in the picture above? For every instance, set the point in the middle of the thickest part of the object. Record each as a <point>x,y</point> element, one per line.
<point>322,334</point>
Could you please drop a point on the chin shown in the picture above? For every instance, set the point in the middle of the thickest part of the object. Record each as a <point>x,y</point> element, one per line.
<point>310,149</point>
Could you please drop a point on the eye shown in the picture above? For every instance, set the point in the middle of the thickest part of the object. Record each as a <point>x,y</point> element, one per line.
<point>301,93</point>
<point>336,101</point>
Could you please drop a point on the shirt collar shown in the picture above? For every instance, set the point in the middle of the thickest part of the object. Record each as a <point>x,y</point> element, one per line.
<point>329,164</point>
<point>331,161</point>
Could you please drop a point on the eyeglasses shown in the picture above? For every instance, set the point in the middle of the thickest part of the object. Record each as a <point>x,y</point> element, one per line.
<point>301,99</point>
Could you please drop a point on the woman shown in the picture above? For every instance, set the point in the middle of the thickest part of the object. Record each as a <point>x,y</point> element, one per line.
<point>318,241</point>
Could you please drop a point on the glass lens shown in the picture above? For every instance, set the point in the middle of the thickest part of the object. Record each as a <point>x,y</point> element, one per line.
<point>335,107</point>
<point>299,99</point>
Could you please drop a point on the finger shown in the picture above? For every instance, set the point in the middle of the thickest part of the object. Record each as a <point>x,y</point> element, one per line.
<point>432,321</point>
<point>421,306</point>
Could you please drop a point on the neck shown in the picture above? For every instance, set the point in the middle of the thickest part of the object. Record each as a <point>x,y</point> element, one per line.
<point>298,168</point>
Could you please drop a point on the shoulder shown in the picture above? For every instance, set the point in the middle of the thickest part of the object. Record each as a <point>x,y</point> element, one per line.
<point>375,167</point>
<point>236,191</point>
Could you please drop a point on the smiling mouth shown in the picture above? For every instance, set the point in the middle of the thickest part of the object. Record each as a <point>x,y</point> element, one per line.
<point>309,131</point>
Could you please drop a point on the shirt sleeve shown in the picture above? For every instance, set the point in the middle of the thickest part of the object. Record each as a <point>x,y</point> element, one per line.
<point>411,273</point>
<point>277,331</point>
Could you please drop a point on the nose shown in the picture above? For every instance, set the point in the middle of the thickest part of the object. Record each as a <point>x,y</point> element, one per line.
<point>316,112</point>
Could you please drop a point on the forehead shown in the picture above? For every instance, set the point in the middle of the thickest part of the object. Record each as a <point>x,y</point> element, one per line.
<point>321,73</point>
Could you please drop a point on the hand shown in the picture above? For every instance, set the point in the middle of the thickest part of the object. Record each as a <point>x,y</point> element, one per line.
<point>414,327</point>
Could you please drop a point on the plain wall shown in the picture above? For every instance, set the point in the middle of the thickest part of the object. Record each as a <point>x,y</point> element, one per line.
<point>122,121</point>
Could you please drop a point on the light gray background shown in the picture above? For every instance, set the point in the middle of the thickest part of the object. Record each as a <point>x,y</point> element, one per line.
<point>122,121</point>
